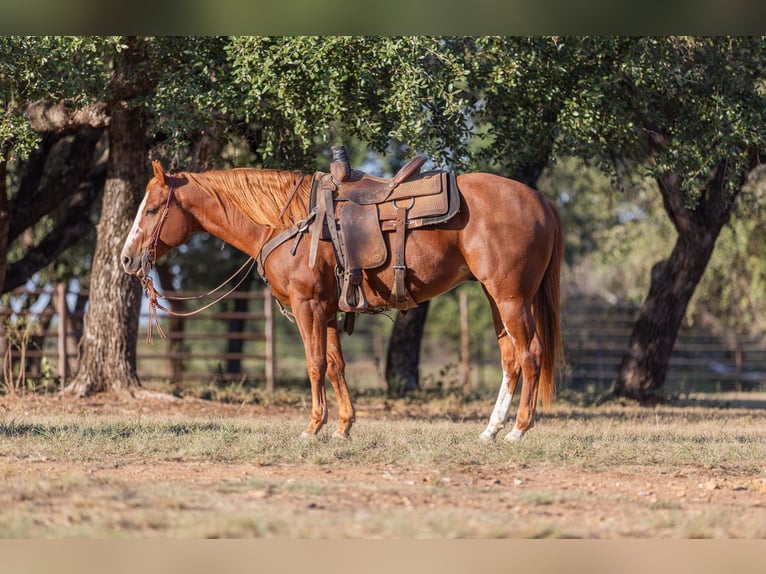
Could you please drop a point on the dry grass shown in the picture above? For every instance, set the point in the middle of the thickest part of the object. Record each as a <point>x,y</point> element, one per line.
<point>412,470</point>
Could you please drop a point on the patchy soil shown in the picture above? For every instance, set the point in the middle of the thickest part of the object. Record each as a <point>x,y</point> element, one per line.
<point>112,497</point>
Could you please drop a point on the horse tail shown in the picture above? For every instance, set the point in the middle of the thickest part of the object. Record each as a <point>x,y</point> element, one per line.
<point>547,312</point>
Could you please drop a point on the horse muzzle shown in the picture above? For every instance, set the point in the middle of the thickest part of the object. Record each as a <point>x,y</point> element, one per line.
<point>139,266</point>
<point>129,264</point>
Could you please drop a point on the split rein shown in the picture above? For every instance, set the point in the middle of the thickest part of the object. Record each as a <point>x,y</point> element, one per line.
<point>151,292</point>
<point>148,260</point>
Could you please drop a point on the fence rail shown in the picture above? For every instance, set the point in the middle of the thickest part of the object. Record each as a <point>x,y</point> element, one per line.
<point>596,336</point>
<point>43,328</point>
<point>235,340</point>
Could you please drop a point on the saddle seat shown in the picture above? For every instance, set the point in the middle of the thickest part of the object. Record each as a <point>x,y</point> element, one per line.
<point>364,189</point>
<point>353,209</point>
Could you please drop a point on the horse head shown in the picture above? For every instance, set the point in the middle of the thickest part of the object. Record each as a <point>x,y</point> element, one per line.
<point>160,224</point>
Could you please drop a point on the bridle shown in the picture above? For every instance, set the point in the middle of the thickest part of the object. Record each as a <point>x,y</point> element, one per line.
<point>149,259</point>
<point>149,256</point>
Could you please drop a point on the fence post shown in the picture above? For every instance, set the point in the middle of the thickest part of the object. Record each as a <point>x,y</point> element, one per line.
<point>62,311</point>
<point>268,327</point>
<point>465,343</point>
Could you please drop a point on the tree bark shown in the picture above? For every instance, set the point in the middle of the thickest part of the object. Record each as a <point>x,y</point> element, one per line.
<point>5,214</point>
<point>403,358</point>
<point>108,354</point>
<point>644,365</point>
<point>237,327</point>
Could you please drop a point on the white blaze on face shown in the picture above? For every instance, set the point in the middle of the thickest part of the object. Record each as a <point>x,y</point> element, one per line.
<point>136,229</point>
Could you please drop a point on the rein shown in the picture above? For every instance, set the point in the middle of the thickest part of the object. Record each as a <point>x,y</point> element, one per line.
<point>149,258</point>
<point>151,292</point>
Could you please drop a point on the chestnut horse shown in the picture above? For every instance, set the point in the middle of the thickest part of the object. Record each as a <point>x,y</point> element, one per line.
<point>506,236</point>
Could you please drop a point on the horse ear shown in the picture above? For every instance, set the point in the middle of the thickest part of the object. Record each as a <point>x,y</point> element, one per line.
<point>158,171</point>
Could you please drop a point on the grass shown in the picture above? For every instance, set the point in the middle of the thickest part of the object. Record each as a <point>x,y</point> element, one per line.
<point>411,470</point>
<point>589,438</point>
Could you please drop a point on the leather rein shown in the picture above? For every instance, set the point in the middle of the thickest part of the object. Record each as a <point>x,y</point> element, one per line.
<point>149,259</point>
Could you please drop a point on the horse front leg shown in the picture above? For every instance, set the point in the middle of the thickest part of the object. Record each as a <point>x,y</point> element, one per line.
<point>311,317</point>
<point>336,371</point>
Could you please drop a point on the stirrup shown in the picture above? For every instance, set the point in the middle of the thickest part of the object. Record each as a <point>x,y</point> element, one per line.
<point>352,297</point>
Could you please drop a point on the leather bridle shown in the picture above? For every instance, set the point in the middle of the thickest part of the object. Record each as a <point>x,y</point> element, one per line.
<point>149,255</point>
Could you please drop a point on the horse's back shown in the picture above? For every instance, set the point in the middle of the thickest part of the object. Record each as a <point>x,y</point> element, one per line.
<point>503,196</point>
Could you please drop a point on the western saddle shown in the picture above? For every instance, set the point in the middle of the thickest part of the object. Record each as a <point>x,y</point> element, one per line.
<point>353,209</point>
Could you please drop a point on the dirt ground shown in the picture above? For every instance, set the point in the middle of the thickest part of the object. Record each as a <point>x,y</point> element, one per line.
<point>112,497</point>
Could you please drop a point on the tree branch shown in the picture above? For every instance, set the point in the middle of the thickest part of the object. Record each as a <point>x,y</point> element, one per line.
<point>75,225</point>
<point>674,201</point>
<point>33,202</point>
<point>46,116</point>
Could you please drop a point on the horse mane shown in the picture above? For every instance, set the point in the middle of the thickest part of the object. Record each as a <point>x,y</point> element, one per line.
<point>260,194</point>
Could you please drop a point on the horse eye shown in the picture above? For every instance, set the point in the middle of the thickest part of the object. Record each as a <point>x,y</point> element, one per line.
<point>152,211</point>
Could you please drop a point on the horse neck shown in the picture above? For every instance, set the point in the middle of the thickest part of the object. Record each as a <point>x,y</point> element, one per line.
<point>222,221</point>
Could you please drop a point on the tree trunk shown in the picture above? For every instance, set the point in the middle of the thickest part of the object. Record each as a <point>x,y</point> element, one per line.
<point>403,359</point>
<point>644,365</point>
<point>234,346</point>
<point>5,213</point>
<point>108,353</point>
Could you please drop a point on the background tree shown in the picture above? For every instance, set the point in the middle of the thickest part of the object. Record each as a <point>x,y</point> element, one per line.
<point>694,113</point>
<point>272,94</point>
<point>108,356</point>
<point>297,95</point>
<point>50,127</point>
<point>689,112</point>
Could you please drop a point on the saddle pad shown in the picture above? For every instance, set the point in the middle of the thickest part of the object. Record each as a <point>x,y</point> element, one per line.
<point>429,183</point>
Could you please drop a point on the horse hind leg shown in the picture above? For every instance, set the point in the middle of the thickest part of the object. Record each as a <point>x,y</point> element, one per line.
<point>500,413</point>
<point>520,326</point>
<point>511,373</point>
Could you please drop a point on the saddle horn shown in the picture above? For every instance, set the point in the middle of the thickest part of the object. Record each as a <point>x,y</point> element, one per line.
<point>339,166</point>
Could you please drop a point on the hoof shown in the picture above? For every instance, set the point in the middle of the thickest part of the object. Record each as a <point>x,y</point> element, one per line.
<point>341,435</point>
<point>308,437</point>
<point>515,435</point>
<point>487,436</point>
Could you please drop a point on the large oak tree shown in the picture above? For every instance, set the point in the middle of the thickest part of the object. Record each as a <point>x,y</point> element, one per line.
<point>688,112</point>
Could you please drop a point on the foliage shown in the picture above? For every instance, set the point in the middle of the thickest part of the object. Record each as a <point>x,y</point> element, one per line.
<point>52,68</point>
<point>664,104</point>
<point>300,91</point>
